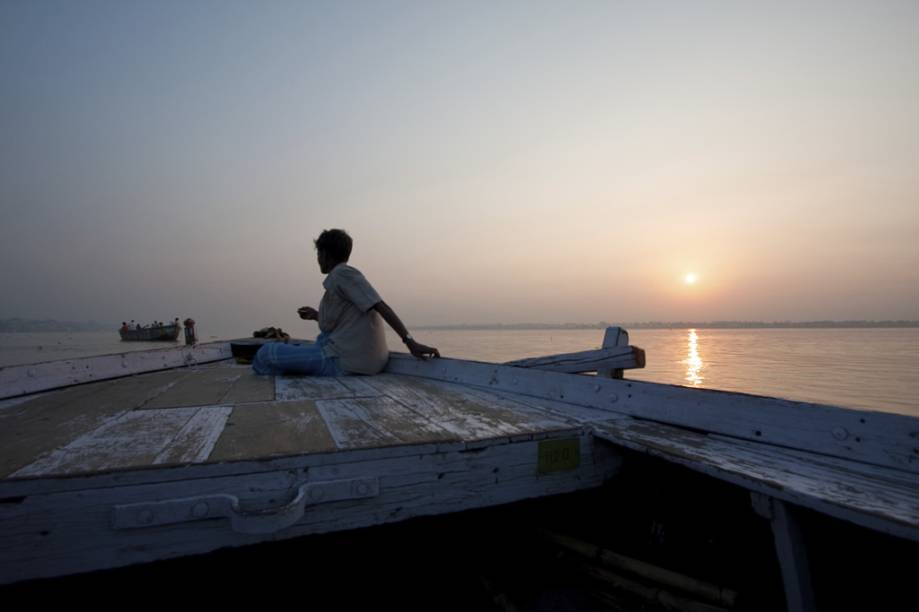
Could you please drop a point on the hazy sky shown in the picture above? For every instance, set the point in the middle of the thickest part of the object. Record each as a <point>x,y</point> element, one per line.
<point>494,161</point>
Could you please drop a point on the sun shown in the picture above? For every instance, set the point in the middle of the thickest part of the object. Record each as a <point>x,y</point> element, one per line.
<point>690,279</point>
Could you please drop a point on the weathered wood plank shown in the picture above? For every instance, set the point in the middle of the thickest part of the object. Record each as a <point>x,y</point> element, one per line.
<point>790,550</point>
<point>271,430</point>
<point>23,487</point>
<point>563,410</point>
<point>530,420</point>
<point>585,361</point>
<point>615,336</point>
<point>873,437</point>
<point>79,535</point>
<point>129,440</point>
<point>196,440</point>
<point>293,388</point>
<point>880,498</point>
<point>41,424</point>
<point>464,416</point>
<point>378,421</point>
<point>358,385</point>
<point>196,388</point>
<point>30,378</point>
<point>250,387</point>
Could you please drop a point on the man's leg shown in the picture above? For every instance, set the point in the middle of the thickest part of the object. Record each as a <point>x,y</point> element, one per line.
<point>280,358</point>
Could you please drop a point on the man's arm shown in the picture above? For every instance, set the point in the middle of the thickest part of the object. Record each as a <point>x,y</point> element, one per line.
<point>416,348</point>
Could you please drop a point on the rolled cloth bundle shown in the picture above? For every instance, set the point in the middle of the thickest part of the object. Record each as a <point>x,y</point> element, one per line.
<point>245,350</point>
<point>271,332</point>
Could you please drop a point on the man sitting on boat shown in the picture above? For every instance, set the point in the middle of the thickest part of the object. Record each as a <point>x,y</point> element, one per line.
<point>351,339</point>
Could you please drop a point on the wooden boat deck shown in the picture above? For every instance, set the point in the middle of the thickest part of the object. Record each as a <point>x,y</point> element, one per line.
<point>190,460</point>
<point>224,412</point>
<point>194,453</point>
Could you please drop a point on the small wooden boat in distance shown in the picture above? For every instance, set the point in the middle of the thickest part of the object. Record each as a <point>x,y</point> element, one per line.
<point>168,333</point>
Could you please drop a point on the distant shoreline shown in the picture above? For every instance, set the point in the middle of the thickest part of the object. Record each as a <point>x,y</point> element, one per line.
<point>52,326</point>
<point>13,326</point>
<point>681,325</point>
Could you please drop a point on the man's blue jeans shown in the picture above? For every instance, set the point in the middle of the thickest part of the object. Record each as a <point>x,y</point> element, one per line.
<point>279,358</point>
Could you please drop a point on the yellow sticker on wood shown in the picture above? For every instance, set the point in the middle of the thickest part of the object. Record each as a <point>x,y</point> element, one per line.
<point>559,455</point>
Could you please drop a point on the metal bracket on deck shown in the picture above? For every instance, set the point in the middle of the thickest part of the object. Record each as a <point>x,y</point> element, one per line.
<point>269,520</point>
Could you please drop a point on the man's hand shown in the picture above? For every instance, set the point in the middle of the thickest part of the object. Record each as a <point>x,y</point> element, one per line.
<point>310,314</point>
<point>420,350</point>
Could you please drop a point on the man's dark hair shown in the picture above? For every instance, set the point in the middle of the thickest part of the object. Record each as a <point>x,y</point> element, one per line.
<point>335,243</point>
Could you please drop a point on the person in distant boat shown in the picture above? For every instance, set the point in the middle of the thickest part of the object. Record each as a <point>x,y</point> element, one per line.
<point>350,315</point>
<point>124,326</point>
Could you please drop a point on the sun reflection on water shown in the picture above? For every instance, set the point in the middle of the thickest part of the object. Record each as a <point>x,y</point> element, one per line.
<point>693,361</point>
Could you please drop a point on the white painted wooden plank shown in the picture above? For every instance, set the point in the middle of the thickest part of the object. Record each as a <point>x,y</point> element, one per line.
<point>617,337</point>
<point>790,550</point>
<point>196,440</point>
<point>584,361</point>
<point>873,489</point>
<point>579,414</point>
<point>819,466</point>
<point>132,439</point>
<point>789,543</point>
<point>294,388</point>
<point>358,385</point>
<point>54,419</point>
<point>873,437</point>
<point>464,417</point>
<point>880,498</point>
<point>377,421</point>
<point>529,419</point>
<point>512,462</point>
<point>351,425</point>
<point>313,462</point>
<point>13,488</point>
<point>30,378</point>
<point>63,533</point>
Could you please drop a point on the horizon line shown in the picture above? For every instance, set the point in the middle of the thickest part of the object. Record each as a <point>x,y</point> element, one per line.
<point>841,323</point>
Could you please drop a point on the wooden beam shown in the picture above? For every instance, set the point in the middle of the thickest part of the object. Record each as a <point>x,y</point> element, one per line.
<point>32,378</point>
<point>597,360</point>
<point>699,588</point>
<point>790,549</point>
<point>879,498</point>
<point>880,438</point>
<point>658,597</point>
<point>616,337</point>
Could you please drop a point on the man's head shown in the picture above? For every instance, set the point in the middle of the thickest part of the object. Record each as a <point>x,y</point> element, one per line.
<point>332,248</point>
